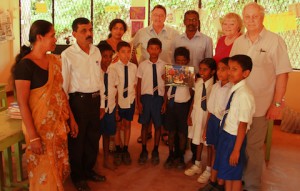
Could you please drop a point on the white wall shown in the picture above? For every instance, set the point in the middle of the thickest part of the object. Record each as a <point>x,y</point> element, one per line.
<point>9,49</point>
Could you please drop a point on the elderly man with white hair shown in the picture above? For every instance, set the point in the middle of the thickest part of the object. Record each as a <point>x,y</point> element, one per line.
<point>268,80</point>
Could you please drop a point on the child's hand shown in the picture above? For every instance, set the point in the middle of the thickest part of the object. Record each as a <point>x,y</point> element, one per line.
<point>234,158</point>
<point>163,108</point>
<point>102,112</point>
<point>189,121</point>
<point>140,108</point>
<point>204,135</point>
<point>118,118</point>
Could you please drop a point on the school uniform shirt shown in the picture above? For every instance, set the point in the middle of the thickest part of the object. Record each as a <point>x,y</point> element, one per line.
<point>113,81</point>
<point>182,94</point>
<point>242,108</point>
<point>81,71</point>
<point>145,73</point>
<point>166,36</point>
<point>199,116</point>
<point>270,58</point>
<point>218,99</point>
<point>200,47</point>
<point>119,68</point>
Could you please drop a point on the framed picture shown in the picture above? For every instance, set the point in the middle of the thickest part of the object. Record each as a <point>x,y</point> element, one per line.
<point>135,26</point>
<point>179,75</point>
<point>137,13</point>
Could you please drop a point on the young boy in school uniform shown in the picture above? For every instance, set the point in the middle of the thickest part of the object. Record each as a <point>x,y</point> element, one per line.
<point>230,156</point>
<point>108,122</point>
<point>151,97</point>
<point>176,115</point>
<point>126,72</point>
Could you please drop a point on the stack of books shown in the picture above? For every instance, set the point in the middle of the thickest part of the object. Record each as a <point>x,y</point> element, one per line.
<point>14,111</point>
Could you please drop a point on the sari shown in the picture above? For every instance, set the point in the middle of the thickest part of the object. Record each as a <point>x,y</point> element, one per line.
<point>49,107</point>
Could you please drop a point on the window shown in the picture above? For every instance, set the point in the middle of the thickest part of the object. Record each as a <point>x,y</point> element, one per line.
<point>101,12</point>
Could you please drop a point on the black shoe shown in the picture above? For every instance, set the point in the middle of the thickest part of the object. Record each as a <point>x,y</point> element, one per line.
<point>82,186</point>
<point>118,158</point>
<point>180,163</point>
<point>126,158</point>
<point>93,176</point>
<point>155,157</point>
<point>169,162</point>
<point>143,157</point>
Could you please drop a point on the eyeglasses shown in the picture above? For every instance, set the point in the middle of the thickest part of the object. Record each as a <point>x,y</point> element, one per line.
<point>158,15</point>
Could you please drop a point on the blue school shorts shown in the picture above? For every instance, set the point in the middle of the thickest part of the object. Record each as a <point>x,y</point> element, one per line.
<point>224,150</point>
<point>108,124</point>
<point>128,112</point>
<point>212,132</point>
<point>151,110</point>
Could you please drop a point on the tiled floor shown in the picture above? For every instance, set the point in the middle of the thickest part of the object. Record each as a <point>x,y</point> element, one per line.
<point>282,173</point>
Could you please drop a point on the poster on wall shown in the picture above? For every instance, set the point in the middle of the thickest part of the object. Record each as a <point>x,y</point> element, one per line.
<point>137,13</point>
<point>135,26</point>
<point>6,31</point>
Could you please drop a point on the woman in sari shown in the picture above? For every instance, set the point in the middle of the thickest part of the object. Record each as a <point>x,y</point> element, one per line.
<point>44,108</point>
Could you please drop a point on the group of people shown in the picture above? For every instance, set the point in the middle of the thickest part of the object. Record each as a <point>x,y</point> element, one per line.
<point>68,103</point>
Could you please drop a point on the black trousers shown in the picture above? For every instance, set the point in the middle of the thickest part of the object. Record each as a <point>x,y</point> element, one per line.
<point>83,150</point>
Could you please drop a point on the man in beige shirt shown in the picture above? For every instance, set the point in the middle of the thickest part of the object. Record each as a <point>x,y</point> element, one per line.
<point>268,81</point>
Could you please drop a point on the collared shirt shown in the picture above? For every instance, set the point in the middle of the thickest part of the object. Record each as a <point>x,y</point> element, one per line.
<point>119,68</point>
<point>199,88</point>
<point>81,71</point>
<point>200,47</point>
<point>145,73</point>
<point>166,36</point>
<point>113,81</point>
<point>218,99</point>
<point>270,58</point>
<point>182,94</point>
<point>242,108</point>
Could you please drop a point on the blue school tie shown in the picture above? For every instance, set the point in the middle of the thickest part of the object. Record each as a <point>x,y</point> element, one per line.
<point>155,86</point>
<point>106,89</point>
<point>125,91</point>
<point>172,96</point>
<point>203,98</point>
<point>226,111</point>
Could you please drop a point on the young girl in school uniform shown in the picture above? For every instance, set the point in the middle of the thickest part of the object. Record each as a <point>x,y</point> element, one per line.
<point>216,108</point>
<point>198,111</point>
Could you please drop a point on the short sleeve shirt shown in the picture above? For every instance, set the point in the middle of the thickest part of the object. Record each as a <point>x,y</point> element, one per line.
<point>270,58</point>
<point>26,69</point>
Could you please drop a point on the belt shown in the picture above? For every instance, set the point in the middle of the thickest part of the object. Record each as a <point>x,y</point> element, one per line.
<point>81,94</point>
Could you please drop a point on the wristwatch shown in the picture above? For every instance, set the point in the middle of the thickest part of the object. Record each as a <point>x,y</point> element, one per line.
<point>277,104</point>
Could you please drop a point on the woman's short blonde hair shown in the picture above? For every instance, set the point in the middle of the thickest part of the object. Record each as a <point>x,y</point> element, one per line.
<point>237,18</point>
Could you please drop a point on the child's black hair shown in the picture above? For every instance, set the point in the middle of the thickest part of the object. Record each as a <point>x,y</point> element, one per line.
<point>225,60</point>
<point>243,60</point>
<point>122,44</point>
<point>182,51</point>
<point>105,47</point>
<point>154,41</point>
<point>211,63</point>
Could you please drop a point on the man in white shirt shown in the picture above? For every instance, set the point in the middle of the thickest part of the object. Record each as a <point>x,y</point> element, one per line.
<point>81,72</point>
<point>267,80</point>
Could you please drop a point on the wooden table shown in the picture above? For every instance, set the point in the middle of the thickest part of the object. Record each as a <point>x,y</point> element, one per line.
<point>10,136</point>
